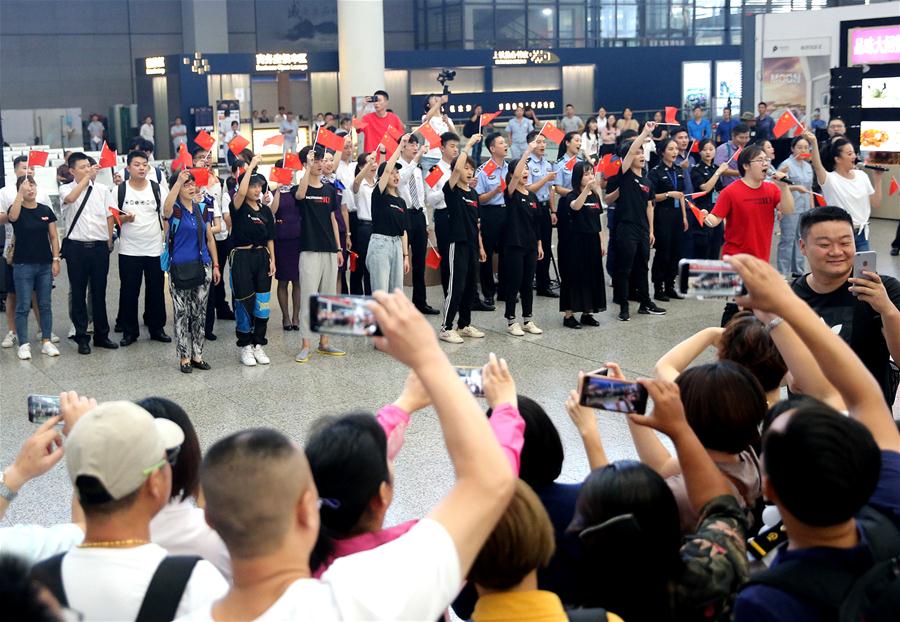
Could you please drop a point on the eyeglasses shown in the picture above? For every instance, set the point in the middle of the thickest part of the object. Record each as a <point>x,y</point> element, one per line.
<point>765,161</point>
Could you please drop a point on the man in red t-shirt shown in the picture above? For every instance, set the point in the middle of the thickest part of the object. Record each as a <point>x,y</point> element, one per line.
<point>377,122</point>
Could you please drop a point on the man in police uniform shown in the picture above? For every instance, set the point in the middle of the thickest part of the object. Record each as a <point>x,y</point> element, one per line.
<point>540,174</point>
<point>492,211</point>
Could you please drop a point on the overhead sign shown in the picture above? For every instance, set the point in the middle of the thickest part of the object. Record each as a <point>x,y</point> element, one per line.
<point>525,57</point>
<point>875,45</point>
<point>155,66</point>
<point>288,61</point>
<point>784,48</point>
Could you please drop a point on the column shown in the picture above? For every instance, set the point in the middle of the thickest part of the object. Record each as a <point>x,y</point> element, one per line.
<point>360,49</point>
<point>205,26</point>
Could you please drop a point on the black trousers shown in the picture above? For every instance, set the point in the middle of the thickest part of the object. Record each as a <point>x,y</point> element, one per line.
<point>251,291</point>
<point>731,309</point>
<point>669,231</point>
<point>360,232</point>
<point>632,256</point>
<point>518,276</point>
<point>493,220</point>
<point>88,262</point>
<point>132,270</point>
<point>896,242</point>
<point>546,231</point>
<point>218,294</point>
<point>463,260</point>
<point>417,237</point>
<point>442,235</point>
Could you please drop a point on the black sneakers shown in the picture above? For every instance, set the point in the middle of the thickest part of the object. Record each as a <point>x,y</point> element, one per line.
<point>651,309</point>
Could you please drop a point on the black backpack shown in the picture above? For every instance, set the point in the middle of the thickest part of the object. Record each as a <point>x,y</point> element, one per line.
<point>163,595</point>
<point>120,199</point>
<point>873,596</point>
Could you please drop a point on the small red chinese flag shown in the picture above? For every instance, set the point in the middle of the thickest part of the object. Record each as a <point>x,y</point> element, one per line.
<point>278,139</point>
<point>570,165</point>
<point>329,140</point>
<point>204,140</point>
<point>487,117</point>
<point>184,159</point>
<point>353,257</point>
<point>502,185</point>
<point>609,167</point>
<point>804,156</point>
<point>116,214</point>
<point>553,133</point>
<point>434,176</point>
<point>282,176</point>
<point>695,147</point>
<point>671,111</point>
<point>37,158</point>
<point>696,212</point>
<point>820,200</point>
<point>698,194</point>
<point>201,176</point>
<point>894,188</point>
<point>489,167</point>
<point>388,141</point>
<point>359,125</point>
<point>433,258</point>
<point>394,133</point>
<point>735,155</point>
<point>292,161</point>
<point>786,122</point>
<point>430,135</point>
<point>238,144</point>
<point>107,157</point>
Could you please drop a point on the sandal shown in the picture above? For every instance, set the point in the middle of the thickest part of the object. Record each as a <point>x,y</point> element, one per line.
<point>186,368</point>
<point>200,365</point>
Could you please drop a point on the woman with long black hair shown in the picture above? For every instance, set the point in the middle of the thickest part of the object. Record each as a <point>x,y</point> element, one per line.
<point>582,284</point>
<point>705,242</point>
<point>669,221</point>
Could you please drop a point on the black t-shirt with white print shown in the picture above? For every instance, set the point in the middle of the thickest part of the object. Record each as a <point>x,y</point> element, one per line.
<point>316,209</point>
<point>388,213</point>
<point>462,208</point>
<point>250,226</point>
<point>522,229</point>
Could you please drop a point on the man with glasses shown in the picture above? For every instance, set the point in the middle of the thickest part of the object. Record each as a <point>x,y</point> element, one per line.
<point>118,457</point>
<point>749,206</point>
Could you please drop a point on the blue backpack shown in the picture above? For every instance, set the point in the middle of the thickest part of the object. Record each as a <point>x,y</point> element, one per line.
<point>165,260</point>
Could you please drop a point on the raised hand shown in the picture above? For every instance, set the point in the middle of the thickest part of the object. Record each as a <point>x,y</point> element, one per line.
<point>499,386</point>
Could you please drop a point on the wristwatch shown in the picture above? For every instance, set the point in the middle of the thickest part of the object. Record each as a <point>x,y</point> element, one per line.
<point>5,491</point>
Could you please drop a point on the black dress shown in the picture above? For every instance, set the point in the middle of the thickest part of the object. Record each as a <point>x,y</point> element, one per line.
<point>582,283</point>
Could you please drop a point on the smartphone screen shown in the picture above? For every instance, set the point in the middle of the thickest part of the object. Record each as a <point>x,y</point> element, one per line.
<point>615,395</point>
<point>472,377</point>
<point>42,407</point>
<point>342,315</point>
<point>864,261</point>
<point>708,278</point>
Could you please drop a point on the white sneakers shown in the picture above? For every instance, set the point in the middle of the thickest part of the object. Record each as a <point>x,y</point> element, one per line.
<point>531,327</point>
<point>247,357</point>
<point>515,330</point>
<point>53,337</point>
<point>259,355</point>
<point>49,349</point>
<point>450,336</point>
<point>471,331</point>
<point>24,352</point>
<point>9,341</point>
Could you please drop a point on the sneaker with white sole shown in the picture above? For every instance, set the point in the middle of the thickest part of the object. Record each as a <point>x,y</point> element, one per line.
<point>531,327</point>
<point>302,355</point>
<point>24,352</point>
<point>471,331</point>
<point>260,355</point>
<point>515,330</point>
<point>53,337</point>
<point>9,341</point>
<point>49,349</point>
<point>72,332</point>
<point>247,357</point>
<point>450,336</point>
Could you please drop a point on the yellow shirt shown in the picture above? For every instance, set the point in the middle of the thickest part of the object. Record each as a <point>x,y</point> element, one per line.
<point>533,606</point>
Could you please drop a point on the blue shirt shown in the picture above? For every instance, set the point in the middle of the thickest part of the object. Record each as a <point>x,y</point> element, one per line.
<point>537,170</point>
<point>564,175</point>
<point>486,183</point>
<point>701,130</point>
<point>764,127</point>
<point>761,602</point>
<point>723,130</point>
<point>818,124</point>
<point>184,243</point>
<point>724,153</point>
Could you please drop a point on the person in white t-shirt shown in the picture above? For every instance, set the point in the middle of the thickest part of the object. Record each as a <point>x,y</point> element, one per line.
<point>146,132</point>
<point>140,245</point>
<point>440,123</point>
<point>95,129</point>
<point>289,127</point>
<point>118,457</point>
<point>260,478</point>
<point>362,187</point>
<point>178,132</point>
<point>845,186</point>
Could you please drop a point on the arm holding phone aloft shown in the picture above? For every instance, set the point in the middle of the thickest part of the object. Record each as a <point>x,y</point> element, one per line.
<point>872,291</point>
<point>676,360</point>
<point>586,423</point>
<point>768,291</point>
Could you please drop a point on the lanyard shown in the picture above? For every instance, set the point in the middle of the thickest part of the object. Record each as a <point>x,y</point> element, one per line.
<point>673,177</point>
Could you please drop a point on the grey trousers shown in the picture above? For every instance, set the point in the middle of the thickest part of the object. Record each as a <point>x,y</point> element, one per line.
<point>318,275</point>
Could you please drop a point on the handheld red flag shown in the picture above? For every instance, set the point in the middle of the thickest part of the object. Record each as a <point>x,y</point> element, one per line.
<point>695,211</point>
<point>353,257</point>
<point>184,159</point>
<point>736,154</point>
<point>502,185</point>
<point>329,140</point>
<point>107,157</point>
<point>804,156</point>
<point>278,139</point>
<point>282,176</point>
<point>695,147</point>
<point>389,143</point>
<point>671,111</point>
<point>430,135</point>
<point>201,176</point>
<point>553,133</point>
<point>434,176</point>
<point>894,188</point>
<point>292,161</point>
<point>238,144</point>
<point>204,140</point>
<point>609,167</point>
<point>820,200</point>
<point>489,167</point>
<point>394,133</point>
<point>570,165</point>
<point>37,158</point>
<point>433,258</point>
<point>116,214</point>
<point>359,125</point>
<point>698,194</point>
<point>786,122</point>
<point>487,117</point>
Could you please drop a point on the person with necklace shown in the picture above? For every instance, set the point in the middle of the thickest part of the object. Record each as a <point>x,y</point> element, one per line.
<point>670,221</point>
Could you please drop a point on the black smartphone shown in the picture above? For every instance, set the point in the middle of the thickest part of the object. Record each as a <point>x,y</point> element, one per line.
<point>766,541</point>
<point>615,395</point>
<point>708,279</point>
<point>42,407</point>
<point>342,315</point>
<point>473,379</point>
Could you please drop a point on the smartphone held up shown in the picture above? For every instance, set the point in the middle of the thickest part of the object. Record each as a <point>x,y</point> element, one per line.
<point>473,378</point>
<point>606,393</point>
<point>42,407</point>
<point>342,315</point>
<point>709,279</point>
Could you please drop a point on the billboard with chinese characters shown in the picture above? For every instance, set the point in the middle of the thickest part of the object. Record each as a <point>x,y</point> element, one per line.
<point>876,45</point>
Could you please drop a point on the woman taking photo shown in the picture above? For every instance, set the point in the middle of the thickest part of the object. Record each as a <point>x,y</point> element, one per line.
<point>388,256</point>
<point>591,141</point>
<point>669,221</point>
<point>582,284</point>
<point>521,246</point>
<point>799,170</point>
<point>705,242</point>
<point>609,134</point>
<point>35,260</point>
<point>193,265</point>
<point>627,122</point>
<point>287,254</point>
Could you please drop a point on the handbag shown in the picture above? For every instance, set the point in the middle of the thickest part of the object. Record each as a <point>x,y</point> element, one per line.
<point>10,251</point>
<point>190,274</point>
<point>62,247</point>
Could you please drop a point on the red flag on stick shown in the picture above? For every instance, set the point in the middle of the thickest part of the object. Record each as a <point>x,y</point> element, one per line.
<point>204,140</point>
<point>282,176</point>
<point>820,200</point>
<point>238,144</point>
<point>201,177</point>
<point>434,176</point>
<point>430,135</point>
<point>695,211</point>
<point>116,214</point>
<point>695,147</point>
<point>570,165</point>
<point>489,167</point>
<point>736,154</point>
<point>487,117</point>
<point>608,167</point>
<point>278,139</point>
<point>894,188</point>
<point>292,161</point>
<point>671,111</point>
<point>698,194</point>
<point>107,157</point>
<point>184,159</point>
<point>389,143</point>
<point>394,133</point>
<point>329,140</point>
<point>786,122</point>
<point>37,158</point>
<point>553,133</point>
<point>433,258</point>
<point>353,258</point>
<point>502,185</point>
<point>804,156</point>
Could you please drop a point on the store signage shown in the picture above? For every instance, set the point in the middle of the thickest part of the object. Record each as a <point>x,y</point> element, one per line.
<point>155,66</point>
<point>288,61</point>
<point>542,104</point>
<point>783,48</point>
<point>525,57</point>
<point>875,45</point>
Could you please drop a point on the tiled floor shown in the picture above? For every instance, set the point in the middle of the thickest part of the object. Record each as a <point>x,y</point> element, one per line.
<point>289,396</point>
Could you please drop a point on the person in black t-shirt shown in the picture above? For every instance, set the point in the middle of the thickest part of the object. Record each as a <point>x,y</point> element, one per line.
<point>634,230</point>
<point>522,247</point>
<point>320,247</point>
<point>466,249</point>
<point>865,314</point>
<point>705,242</point>
<point>670,222</point>
<point>387,259</point>
<point>252,264</point>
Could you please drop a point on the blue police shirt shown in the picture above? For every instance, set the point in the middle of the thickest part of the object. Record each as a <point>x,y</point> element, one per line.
<point>537,170</point>
<point>486,183</point>
<point>564,175</point>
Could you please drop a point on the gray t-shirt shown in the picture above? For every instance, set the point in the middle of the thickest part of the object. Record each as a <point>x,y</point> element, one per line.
<point>571,125</point>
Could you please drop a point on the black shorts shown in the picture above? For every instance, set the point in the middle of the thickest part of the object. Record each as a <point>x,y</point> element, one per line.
<point>249,272</point>
<point>10,282</point>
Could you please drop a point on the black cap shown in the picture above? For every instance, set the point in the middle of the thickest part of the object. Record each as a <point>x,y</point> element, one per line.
<point>384,164</point>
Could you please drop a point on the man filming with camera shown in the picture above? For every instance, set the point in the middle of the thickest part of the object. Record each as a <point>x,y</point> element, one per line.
<point>377,122</point>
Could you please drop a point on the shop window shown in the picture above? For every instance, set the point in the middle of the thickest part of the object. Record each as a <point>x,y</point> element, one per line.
<point>541,25</point>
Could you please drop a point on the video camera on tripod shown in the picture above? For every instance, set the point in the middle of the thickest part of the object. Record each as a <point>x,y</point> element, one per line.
<point>446,75</point>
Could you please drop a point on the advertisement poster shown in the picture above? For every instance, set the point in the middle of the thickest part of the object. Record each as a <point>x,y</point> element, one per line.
<point>695,80</point>
<point>874,46</point>
<point>879,136</point>
<point>784,84</point>
<point>728,85</point>
<point>881,92</point>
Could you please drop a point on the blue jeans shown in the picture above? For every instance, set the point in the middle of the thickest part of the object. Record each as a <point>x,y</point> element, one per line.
<point>790,259</point>
<point>862,244</point>
<point>385,262</point>
<point>38,278</point>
